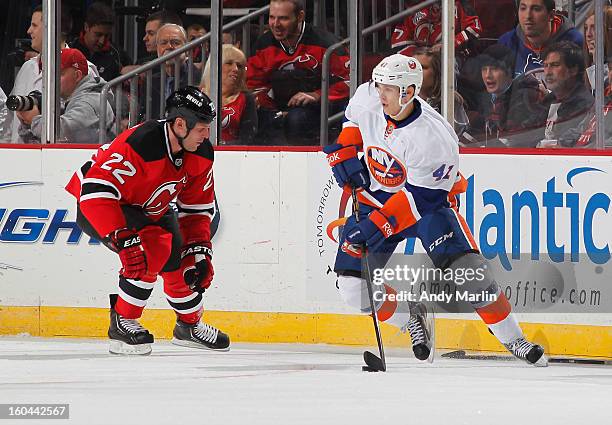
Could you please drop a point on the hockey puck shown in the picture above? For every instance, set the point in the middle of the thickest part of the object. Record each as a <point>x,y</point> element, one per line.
<point>369,369</point>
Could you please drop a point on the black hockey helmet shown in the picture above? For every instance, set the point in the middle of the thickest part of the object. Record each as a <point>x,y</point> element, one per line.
<point>190,104</point>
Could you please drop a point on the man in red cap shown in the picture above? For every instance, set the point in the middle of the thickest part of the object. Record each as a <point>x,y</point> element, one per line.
<point>80,118</point>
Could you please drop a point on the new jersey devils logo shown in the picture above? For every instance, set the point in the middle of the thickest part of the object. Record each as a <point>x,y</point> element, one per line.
<point>305,61</point>
<point>384,167</point>
<point>162,196</point>
<point>228,111</point>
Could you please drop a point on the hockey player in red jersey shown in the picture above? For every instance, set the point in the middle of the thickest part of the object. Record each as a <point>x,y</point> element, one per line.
<point>407,179</point>
<point>124,195</point>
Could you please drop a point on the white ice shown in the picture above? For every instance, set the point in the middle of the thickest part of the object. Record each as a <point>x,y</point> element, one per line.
<point>292,384</point>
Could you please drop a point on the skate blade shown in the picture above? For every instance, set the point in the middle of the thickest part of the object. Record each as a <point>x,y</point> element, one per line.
<point>192,344</point>
<point>121,348</point>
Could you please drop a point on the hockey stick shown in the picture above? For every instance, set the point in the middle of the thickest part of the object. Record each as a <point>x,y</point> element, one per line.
<point>373,362</point>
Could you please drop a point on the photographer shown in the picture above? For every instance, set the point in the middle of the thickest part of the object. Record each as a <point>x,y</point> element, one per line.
<point>80,90</point>
<point>29,77</point>
<point>3,116</point>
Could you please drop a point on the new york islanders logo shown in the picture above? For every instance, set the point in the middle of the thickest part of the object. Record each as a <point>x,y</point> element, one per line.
<point>384,167</point>
<point>162,196</point>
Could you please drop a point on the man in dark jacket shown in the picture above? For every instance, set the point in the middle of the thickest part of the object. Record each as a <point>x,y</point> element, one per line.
<point>169,38</point>
<point>95,42</point>
<point>538,27</point>
<point>285,76</point>
<point>569,100</point>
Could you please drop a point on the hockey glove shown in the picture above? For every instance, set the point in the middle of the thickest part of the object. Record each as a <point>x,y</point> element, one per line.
<point>371,231</point>
<point>347,168</point>
<point>127,244</point>
<point>196,264</point>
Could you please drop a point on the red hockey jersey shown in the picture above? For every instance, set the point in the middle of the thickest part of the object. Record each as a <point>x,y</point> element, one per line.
<point>231,113</point>
<point>271,56</point>
<point>424,28</point>
<point>139,169</point>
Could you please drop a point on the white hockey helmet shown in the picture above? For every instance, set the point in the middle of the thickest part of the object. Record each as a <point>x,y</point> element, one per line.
<point>401,71</point>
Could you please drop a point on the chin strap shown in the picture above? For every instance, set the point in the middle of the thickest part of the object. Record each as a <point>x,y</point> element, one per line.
<point>402,108</point>
<point>179,138</point>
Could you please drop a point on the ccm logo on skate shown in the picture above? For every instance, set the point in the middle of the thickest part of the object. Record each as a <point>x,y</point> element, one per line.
<point>385,168</point>
<point>440,240</point>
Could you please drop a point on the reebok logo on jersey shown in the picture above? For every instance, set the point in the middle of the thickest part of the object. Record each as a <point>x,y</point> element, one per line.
<point>385,168</point>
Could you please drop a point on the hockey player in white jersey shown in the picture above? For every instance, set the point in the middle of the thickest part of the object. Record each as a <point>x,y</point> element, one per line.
<point>407,180</point>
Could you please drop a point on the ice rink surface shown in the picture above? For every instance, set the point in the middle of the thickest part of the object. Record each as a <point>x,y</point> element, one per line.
<point>292,384</point>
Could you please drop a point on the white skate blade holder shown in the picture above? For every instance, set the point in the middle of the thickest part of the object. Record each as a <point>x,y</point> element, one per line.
<point>121,348</point>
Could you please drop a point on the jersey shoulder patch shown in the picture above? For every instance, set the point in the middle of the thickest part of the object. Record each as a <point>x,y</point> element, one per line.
<point>149,141</point>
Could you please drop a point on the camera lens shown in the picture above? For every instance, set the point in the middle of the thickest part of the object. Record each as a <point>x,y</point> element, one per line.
<point>20,103</point>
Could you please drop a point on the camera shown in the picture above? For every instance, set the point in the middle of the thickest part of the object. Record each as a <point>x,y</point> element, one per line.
<point>24,103</point>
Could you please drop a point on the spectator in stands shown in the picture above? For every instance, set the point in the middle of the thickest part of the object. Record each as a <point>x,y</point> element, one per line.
<point>285,75</point>
<point>153,23</point>
<point>509,111</point>
<point>95,41</point>
<point>538,27</point>
<point>239,113</point>
<point>589,42</point>
<point>569,100</point>
<point>169,38</point>
<point>432,85</point>
<point>80,118</point>
<point>424,28</point>
<point>585,131</point>
<point>195,31</point>
<point>29,77</point>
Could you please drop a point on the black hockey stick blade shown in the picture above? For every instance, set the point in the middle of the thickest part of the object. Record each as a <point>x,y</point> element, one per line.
<point>373,362</point>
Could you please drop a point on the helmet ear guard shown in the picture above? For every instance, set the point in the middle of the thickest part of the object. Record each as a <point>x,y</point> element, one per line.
<point>401,71</point>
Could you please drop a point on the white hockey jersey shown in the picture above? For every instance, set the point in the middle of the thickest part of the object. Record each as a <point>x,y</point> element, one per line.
<point>416,159</point>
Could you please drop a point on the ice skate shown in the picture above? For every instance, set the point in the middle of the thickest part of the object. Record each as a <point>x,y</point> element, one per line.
<point>531,353</point>
<point>200,335</point>
<point>127,336</point>
<point>422,331</point>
